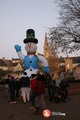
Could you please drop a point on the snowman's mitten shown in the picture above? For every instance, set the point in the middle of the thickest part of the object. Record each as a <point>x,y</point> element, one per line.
<point>18,48</point>
<point>46,69</point>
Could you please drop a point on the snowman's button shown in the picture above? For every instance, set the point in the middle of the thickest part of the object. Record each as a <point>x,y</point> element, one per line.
<point>30,69</point>
<point>30,61</point>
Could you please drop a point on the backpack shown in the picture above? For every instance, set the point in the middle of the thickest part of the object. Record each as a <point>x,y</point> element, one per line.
<point>40,89</point>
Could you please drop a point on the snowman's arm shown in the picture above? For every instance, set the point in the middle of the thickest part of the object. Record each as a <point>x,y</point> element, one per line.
<point>45,64</point>
<point>20,55</point>
<point>19,52</point>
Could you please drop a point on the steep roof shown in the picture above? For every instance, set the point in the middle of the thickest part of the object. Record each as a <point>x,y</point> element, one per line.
<point>75,59</point>
<point>2,63</point>
<point>76,66</point>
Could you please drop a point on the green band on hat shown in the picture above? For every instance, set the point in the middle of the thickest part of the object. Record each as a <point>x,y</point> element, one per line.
<point>30,35</point>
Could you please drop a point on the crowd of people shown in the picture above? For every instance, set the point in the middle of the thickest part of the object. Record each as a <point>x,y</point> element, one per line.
<point>34,89</point>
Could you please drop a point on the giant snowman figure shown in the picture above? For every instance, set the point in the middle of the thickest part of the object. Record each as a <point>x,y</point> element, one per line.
<point>31,60</point>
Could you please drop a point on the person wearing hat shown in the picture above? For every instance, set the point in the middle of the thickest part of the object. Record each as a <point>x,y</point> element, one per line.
<point>25,87</point>
<point>31,60</point>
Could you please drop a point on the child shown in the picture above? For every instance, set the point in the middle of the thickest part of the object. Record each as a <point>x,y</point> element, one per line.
<point>33,90</point>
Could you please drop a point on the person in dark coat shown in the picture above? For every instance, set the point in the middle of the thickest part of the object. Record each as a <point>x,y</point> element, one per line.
<point>49,85</point>
<point>7,85</point>
<point>64,86</point>
<point>12,87</point>
<point>17,88</point>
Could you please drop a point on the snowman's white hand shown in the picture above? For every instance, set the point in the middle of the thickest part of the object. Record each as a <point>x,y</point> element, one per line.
<point>46,69</point>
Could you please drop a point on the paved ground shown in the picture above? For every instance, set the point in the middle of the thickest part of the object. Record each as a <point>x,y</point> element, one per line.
<point>20,111</point>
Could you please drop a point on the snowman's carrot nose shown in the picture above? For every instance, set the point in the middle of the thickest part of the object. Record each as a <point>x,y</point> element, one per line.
<point>29,45</point>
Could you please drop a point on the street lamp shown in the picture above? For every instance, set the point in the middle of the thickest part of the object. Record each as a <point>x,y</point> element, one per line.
<point>68,67</point>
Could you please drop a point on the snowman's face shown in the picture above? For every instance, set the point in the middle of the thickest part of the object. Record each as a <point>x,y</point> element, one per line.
<point>31,47</point>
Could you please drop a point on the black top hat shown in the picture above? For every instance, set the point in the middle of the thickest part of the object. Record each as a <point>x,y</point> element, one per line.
<point>30,36</point>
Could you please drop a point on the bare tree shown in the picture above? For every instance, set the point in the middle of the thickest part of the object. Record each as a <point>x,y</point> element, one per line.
<point>66,36</point>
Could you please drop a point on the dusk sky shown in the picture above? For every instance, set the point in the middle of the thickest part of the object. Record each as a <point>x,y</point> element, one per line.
<point>16,16</point>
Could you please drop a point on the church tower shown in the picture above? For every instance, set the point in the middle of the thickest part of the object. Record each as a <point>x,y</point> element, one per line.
<point>51,55</point>
<point>46,47</point>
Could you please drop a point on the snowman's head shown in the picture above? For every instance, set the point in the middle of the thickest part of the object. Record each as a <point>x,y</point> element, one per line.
<point>30,47</point>
<point>30,41</point>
